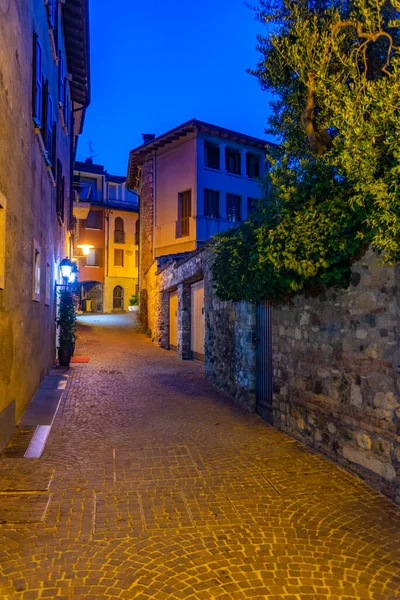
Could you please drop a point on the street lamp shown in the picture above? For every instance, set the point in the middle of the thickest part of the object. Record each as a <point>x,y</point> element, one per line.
<point>66,268</point>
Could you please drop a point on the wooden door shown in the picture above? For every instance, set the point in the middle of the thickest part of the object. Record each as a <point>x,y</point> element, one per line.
<point>197,330</point>
<point>173,320</point>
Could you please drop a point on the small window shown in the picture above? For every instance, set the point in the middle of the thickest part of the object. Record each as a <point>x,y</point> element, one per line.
<point>252,165</point>
<point>233,207</point>
<point>2,240</point>
<point>36,272</point>
<point>37,82</point>
<point>119,233</point>
<point>211,155</point>
<point>184,213</point>
<point>48,284</point>
<point>93,259</point>
<point>112,191</point>
<point>252,206</point>
<point>232,161</point>
<point>118,257</point>
<point>211,204</point>
<point>94,220</point>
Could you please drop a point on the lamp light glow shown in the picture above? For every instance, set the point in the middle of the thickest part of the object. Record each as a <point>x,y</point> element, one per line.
<point>66,267</point>
<point>85,248</point>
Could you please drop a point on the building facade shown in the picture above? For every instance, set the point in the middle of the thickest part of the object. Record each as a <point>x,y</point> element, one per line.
<point>194,182</point>
<point>105,238</point>
<point>44,92</point>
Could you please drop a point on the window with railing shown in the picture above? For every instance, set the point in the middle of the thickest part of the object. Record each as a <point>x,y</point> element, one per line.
<point>184,213</point>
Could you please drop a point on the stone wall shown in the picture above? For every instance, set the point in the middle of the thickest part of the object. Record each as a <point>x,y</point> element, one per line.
<point>336,377</point>
<point>146,229</point>
<point>229,327</point>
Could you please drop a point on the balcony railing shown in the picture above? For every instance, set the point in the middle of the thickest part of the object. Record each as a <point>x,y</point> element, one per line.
<point>119,237</point>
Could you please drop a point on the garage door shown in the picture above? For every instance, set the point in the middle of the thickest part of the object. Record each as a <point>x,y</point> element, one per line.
<point>198,321</point>
<point>173,321</point>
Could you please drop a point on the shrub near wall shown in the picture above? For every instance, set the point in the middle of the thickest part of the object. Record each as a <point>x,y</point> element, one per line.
<point>336,375</point>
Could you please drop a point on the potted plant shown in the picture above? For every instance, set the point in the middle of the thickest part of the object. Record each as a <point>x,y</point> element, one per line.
<point>67,323</point>
<point>133,303</point>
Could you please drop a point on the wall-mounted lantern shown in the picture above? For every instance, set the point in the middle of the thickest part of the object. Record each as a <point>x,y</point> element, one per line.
<point>86,248</point>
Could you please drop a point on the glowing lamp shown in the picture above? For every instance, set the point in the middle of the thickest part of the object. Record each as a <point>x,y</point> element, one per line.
<point>66,267</point>
<point>86,248</point>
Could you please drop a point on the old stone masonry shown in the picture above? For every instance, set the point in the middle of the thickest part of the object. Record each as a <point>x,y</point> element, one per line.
<point>154,485</point>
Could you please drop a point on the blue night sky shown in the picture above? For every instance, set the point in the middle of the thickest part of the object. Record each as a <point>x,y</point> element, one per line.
<point>157,64</point>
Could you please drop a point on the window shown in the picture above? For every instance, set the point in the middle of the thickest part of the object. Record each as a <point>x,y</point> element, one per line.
<point>61,80</point>
<point>52,13</point>
<point>233,207</point>
<point>36,272</point>
<point>252,165</point>
<point>119,233</point>
<point>94,220</point>
<point>232,161</point>
<point>118,257</point>
<point>112,191</point>
<point>49,135</point>
<point>211,204</point>
<point>91,182</point>
<point>211,155</point>
<point>2,240</point>
<point>184,213</point>
<point>60,191</point>
<point>137,229</point>
<point>252,206</point>
<point>67,105</point>
<point>48,283</point>
<point>37,81</point>
<point>93,259</point>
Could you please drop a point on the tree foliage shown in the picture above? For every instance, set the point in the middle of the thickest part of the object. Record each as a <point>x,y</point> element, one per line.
<point>334,69</point>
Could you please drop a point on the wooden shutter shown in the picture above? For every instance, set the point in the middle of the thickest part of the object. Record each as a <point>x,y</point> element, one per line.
<point>49,129</point>
<point>61,80</point>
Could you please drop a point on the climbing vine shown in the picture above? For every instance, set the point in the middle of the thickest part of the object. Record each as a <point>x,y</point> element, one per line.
<point>334,180</point>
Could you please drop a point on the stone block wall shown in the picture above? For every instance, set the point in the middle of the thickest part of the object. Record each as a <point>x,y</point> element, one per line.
<point>336,373</point>
<point>229,327</point>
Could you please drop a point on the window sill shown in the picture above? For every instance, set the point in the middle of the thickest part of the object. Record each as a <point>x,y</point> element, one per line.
<point>93,266</point>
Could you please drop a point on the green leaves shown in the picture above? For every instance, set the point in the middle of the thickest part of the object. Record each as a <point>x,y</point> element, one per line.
<point>334,70</point>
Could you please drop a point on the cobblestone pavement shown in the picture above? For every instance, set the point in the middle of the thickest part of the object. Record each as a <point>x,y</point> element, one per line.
<point>154,485</point>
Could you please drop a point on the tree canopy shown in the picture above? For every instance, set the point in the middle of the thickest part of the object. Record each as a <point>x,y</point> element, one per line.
<point>334,181</point>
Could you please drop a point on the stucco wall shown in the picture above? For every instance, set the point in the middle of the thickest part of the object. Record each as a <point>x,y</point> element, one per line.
<point>27,328</point>
<point>336,376</point>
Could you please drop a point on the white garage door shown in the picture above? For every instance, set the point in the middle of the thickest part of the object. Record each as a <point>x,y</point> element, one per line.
<point>198,321</point>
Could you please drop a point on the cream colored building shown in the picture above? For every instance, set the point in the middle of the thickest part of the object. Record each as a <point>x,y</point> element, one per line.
<point>107,224</point>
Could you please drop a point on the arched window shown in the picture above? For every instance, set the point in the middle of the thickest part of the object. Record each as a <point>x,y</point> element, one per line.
<point>119,234</point>
<point>118,298</point>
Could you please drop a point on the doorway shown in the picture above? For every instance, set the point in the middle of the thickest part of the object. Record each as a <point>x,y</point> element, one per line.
<point>118,299</point>
<point>173,321</point>
<point>197,329</point>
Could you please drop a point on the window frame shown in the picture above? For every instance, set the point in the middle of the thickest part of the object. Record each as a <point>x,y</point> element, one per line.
<point>236,156</point>
<point>36,281</point>
<point>183,222</point>
<point>121,253</point>
<point>100,218</point>
<point>208,144</point>
<point>218,203</point>
<point>229,196</point>
<point>97,252</point>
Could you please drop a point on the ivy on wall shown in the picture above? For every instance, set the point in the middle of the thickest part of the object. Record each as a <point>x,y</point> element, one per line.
<point>334,181</point>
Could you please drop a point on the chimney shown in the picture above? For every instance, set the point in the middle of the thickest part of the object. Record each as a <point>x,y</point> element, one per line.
<point>148,137</point>
<point>89,161</point>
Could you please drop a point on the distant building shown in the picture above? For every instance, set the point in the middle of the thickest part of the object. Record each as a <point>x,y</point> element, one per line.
<point>193,181</point>
<point>44,92</point>
<point>105,238</point>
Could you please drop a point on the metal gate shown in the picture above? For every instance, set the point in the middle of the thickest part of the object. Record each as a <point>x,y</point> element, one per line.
<point>264,361</point>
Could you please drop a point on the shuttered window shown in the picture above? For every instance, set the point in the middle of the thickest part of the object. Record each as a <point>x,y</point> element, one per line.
<point>37,81</point>
<point>233,207</point>
<point>94,257</point>
<point>184,213</point>
<point>118,257</point>
<point>61,80</point>
<point>60,191</point>
<point>211,204</point>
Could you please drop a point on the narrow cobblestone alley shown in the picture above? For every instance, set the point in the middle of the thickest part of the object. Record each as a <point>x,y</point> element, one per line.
<point>154,485</point>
